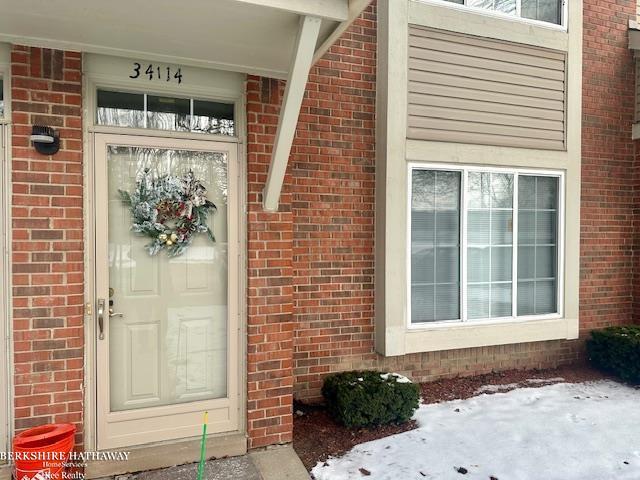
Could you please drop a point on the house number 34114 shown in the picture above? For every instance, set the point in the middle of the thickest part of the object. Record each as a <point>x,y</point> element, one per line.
<point>156,72</point>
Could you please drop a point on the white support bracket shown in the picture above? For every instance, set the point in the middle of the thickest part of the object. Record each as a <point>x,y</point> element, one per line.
<point>293,95</point>
<point>356,7</point>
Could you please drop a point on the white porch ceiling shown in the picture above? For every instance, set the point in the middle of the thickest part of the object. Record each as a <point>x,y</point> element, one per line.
<point>250,36</point>
<point>273,38</point>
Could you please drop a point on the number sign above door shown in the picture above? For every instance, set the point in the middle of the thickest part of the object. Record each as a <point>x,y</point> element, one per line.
<point>156,72</point>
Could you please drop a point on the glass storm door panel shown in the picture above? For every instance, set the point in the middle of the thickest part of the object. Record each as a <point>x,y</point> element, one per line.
<point>167,344</point>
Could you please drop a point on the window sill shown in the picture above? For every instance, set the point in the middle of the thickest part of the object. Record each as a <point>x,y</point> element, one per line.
<point>470,335</point>
<point>426,326</point>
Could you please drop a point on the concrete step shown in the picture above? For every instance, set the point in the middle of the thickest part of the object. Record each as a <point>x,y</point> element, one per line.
<point>273,463</point>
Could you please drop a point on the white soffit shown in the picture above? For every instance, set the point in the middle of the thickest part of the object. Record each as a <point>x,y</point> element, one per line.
<point>249,36</point>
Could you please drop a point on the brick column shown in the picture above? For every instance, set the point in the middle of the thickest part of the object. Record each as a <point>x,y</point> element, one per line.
<point>270,277</point>
<point>333,165</point>
<point>608,160</point>
<point>47,239</point>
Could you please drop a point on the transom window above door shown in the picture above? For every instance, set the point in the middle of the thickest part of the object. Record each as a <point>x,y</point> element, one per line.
<point>484,245</point>
<point>142,110</point>
<point>1,98</point>
<point>549,11</point>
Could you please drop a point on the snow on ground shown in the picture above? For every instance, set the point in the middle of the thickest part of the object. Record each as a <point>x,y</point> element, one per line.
<point>584,431</point>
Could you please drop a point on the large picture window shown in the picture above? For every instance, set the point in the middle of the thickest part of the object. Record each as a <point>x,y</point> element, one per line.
<point>549,11</point>
<point>484,244</point>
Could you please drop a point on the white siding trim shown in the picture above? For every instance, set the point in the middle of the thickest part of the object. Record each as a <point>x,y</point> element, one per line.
<point>471,335</point>
<point>6,318</point>
<point>391,177</point>
<point>394,150</point>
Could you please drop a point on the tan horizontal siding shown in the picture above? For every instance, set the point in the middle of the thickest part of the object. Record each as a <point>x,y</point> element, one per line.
<point>472,104</point>
<point>418,112</point>
<point>470,89</point>
<point>479,127</point>
<point>487,64</point>
<point>515,57</point>
<point>481,42</point>
<point>482,73</point>
<point>421,92</point>
<point>486,85</point>
<point>482,139</point>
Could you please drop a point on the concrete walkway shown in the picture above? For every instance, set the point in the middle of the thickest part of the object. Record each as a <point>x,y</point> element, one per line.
<point>274,463</point>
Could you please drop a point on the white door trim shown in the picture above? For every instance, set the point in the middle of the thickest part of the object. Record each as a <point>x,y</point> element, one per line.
<point>6,383</point>
<point>106,71</point>
<point>224,412</point>
<point>6,318</point>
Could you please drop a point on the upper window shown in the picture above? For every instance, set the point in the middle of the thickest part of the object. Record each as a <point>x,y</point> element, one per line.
<point>549,11</point>
<point>141,110</point>
<point>472,233</point>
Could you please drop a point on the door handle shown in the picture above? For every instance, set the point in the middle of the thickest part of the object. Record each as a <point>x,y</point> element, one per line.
<point>101,305</point>
<point>115,314</point>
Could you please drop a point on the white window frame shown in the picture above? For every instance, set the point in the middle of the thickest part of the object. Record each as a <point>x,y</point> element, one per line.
<point>516,17</point>
<point>146,93</point>
<point>464,173</point>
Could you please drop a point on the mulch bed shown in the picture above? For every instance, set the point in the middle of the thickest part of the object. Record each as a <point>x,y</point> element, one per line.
<point>466,387</point>
<point>316,436</point>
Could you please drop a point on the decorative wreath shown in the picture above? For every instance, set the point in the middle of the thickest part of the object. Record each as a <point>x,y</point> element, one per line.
<point>170,210</point>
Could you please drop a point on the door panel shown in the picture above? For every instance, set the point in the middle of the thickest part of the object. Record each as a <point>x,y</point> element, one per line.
<point>170,349</point>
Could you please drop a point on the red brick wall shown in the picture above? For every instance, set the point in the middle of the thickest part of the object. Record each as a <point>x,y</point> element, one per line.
<point>47,239</point>
<point>333,174</point>
<point>270,274</point>
<point>333,195</point>
<point>608,160</point>
<point>330,192</point>
<point>310,278</point>
<point>310,265</point>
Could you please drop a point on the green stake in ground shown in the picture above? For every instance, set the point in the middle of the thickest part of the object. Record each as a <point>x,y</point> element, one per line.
<point>203,444</point>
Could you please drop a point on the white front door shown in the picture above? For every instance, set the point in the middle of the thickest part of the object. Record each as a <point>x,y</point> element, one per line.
<point>167,336</point>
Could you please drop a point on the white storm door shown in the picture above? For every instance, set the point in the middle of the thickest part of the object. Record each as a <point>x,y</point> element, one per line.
<point>169,345</point>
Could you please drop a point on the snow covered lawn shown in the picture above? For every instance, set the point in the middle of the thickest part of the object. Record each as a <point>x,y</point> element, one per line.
<point>558,432</point>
